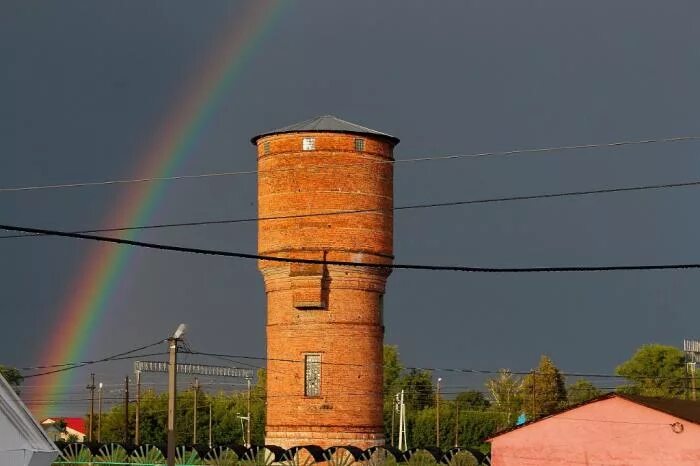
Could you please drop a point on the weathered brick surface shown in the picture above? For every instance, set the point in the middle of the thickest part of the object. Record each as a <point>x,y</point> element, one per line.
<point>334,310</point>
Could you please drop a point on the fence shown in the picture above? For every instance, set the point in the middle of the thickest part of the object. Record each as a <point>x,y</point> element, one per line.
<point>80,454</point>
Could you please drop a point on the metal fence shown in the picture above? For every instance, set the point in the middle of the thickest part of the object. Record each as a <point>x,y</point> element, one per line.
<point>75,454</point>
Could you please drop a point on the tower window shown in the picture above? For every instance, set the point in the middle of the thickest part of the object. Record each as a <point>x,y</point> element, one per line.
<point>308,144</point>
<point>312,375</point>
<point>266,147</point>
<point>359,144</point>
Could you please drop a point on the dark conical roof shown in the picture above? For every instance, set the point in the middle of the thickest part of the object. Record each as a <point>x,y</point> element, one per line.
<point>327,124</point>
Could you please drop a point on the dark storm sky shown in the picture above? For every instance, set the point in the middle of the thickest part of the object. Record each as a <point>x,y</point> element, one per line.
<point>85,84</point>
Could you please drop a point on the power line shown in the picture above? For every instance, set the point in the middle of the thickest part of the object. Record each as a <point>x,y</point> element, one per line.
<point>431,369</point>
<point>492,200</point>
<point>372,265</point>
<point>115,357</point>
<point>394,162</point>
<point>68,368</point>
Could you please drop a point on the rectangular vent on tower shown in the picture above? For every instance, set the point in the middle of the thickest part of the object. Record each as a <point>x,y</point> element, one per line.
<point>308,144</point>
<point>307,286</point>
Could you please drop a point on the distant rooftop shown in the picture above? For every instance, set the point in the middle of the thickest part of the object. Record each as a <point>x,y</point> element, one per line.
<point>327,124</point>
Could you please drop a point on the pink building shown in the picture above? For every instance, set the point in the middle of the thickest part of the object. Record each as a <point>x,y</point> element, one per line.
<point>611,430</point>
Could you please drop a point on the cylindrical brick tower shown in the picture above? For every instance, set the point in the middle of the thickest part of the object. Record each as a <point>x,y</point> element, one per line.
<point>324,322</point>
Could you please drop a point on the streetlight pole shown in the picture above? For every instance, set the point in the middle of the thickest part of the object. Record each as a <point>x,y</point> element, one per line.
<point>248,426</point>
<point>194,412</point>
<point>99,415</point>
<point>172,390</point>
<point>137,433</point>
<point>456,424</point>
<point>210,445</point>
<point>126,410</point>
<point>437,413</point>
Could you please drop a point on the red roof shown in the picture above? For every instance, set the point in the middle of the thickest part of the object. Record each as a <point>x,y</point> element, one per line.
<point>75,423</point>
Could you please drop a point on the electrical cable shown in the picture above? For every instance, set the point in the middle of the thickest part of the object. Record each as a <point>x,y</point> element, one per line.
<point>433,369</point>
<point>51,366</point>
<point>399,161</point>
<point>452,268</point>
<point>115,357</point>
<point>393,209</point>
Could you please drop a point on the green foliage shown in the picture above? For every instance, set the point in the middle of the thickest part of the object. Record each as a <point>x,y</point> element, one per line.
<point>475,421</point>
<point>463,458</point>
<point>471,427</point>
<point>61,425</point>
<point>543,391</point>
<point>225,409</point>
<point>392,368</point>
<point>418,389</point>
<point>422,458</point>
<point>12,375</point>
<point>655,370</point>
<point>580,391</point>
<point>472,400</point>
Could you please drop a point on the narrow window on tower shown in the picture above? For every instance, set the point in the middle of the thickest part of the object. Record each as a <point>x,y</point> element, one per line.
<point>308,144</point>
<point>266,147</point>
<point>312,375</point>
<point>359,144</point>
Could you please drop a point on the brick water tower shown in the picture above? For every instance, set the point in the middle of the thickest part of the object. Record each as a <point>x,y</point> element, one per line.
<point>324,322</point>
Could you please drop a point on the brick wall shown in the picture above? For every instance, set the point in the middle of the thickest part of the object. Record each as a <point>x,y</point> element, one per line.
<point>334,311</point>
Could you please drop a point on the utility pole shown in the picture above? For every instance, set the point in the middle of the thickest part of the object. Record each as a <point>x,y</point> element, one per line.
<point>534,397</point>
<point>126,410</point>
<point>91,387</point>
<point>691,367</point>
<point>248,427</point>
<point>172,390</point>
<point>394,408</point>
<point>194,412</point>
<point>437,413</point>
<point>99,416</point>
<point>137,433</point>
<point>692,356</point>
<point>402,423</point>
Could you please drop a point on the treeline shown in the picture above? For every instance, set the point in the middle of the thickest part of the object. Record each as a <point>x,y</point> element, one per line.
<point>466,417</point>
<point>226,412</point>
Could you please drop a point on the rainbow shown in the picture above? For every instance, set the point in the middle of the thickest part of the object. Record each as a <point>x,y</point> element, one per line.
<point>92,288</point>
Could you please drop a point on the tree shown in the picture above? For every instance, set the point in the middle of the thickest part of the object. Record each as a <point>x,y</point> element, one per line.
<point>505,397</point>
<point>472,400</point>
<point>543,391</point>
<point>392,368</point>
<point>580,391</point>
<point>225,408</point>
<point>12,375</point>
<point>655,370</point>
<point>418,389</point>
<point>61,425</point>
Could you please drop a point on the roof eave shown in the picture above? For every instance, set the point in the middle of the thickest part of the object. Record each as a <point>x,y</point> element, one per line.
<point>391,139</point>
